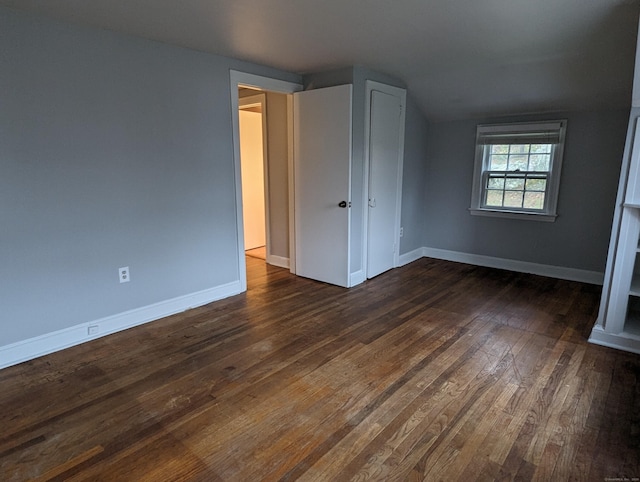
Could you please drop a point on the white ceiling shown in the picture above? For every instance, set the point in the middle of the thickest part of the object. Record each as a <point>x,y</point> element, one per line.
<point>458,58</point>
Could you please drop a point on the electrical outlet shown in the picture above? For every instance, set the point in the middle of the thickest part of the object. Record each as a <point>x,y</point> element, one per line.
<point>123,274</point>
<point>92,330</point>
<point>401,232</point>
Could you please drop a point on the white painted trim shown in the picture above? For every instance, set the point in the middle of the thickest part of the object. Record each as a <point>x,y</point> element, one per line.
<point>411,256</point>
<point>250,101</point>
<point>632,191</point>
<point>245,79</point>
<point>58,340</point>
<point>357,278</point>
<point>529,216</point>
<point>635,93</point>
<point>621,341</point>
<point>290,187</point>
<point>237,170</point>
<point>279,261</point>
<point>560,272</point>
<point>240,79</point>
<point>614,242</point>
<point>623,271</point>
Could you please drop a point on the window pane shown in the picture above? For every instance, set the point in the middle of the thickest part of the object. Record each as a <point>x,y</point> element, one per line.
<point>539,162</point>
<point>518,162</point>
<point>534,200</point>
<point>513,199</point>
<point>514,184</point>
<point>496,183</point>
<point>519,148</point>
<point>540,148</point>
<point>536,184</point>
<point>500,149</point>
<point>494,198</point>
<point>498,163</point>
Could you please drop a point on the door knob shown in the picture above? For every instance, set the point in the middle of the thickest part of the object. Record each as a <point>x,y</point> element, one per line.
<point>342,204</point>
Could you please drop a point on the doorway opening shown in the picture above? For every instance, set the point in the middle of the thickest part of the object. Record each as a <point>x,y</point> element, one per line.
<point>253,162</point>
<point>318,118</point>
<point>269,99</point>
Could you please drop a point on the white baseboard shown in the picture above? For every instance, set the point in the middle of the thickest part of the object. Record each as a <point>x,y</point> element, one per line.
<point>620,341</point>
<point>58,340</point>
<point>357,278</point>
<point>411,256</point>
<point>559,272</point>
<point>279,261</point>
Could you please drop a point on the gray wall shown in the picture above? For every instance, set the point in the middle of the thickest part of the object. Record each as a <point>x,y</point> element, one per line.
<point>413,178</point>
<point>117,151</point>
<point>580,235</point>
<point>114,151</point>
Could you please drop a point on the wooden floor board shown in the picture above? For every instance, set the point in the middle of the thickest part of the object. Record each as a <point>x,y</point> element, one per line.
<point>433,371</point>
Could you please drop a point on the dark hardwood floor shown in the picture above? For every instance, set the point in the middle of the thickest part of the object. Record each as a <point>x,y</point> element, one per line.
<point>434,371</point>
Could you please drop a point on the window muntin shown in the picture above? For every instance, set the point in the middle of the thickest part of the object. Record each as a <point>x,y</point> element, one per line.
<point>517,169</point>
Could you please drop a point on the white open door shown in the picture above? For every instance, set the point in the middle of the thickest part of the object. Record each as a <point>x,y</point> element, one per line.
<point>386,141</point>
<point>322,172</point>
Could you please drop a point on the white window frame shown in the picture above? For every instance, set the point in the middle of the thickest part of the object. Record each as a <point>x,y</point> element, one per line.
<point>553,132</point>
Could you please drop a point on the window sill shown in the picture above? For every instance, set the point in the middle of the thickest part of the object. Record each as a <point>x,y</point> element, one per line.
<point>549,218</point>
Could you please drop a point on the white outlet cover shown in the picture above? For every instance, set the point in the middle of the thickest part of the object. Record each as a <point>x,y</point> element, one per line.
<point>123,274</point>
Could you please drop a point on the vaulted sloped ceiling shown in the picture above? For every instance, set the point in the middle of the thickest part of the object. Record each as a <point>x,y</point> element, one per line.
<point>459,58</point>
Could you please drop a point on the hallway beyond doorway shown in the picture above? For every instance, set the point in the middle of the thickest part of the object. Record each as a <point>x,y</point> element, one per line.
<point>260,252</point>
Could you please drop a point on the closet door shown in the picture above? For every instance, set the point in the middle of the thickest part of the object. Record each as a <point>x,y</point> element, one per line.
<point>322,192</point>
<point>385,150</point>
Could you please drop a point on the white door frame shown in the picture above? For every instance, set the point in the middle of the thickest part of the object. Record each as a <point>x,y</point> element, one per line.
<point>370,86</point>
<point>244,79</point>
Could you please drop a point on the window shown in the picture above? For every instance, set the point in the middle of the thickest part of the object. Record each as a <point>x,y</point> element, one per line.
<point>517,170</point>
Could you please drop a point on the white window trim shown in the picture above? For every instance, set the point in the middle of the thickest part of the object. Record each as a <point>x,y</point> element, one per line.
<point>549,213</point>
